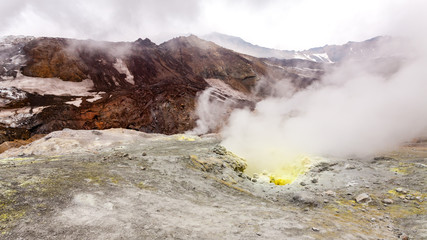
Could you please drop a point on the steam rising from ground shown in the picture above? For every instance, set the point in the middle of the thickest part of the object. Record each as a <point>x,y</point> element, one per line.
<point>357,109</point>
<point>215,104</point>
<point>352,111</point>
<point>210,111</point>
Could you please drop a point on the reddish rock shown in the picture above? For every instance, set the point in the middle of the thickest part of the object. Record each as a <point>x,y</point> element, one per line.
<point>147,87</point>
<point>19,142</point>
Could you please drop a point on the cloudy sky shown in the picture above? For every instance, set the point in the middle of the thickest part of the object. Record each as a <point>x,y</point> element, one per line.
<point>282,24</point>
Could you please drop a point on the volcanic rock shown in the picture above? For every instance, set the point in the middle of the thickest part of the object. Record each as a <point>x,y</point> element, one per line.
<point>136,85</point>
<point>362,198</point>
<point>51,189</point>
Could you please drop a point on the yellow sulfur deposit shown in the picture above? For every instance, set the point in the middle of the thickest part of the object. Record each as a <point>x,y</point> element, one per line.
<point>185,138</point>
<point>289,170</point>
<point>276,164</point>
<point>280,181</point>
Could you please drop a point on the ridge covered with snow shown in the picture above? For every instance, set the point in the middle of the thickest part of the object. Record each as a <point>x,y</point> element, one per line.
<point>326,54</point>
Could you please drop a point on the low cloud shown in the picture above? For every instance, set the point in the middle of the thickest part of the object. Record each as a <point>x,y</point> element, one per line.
<point>100,20</point>
<point>291,24</point>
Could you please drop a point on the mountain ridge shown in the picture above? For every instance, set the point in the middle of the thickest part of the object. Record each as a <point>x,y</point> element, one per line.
<point>49,84</point>
<point>325,54</point>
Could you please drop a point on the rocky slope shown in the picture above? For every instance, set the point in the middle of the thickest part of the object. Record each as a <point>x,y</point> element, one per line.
<point>49,84</point>
<point>362,51</point>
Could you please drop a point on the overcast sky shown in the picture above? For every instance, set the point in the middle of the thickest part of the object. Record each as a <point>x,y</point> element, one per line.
<point>282,24</point>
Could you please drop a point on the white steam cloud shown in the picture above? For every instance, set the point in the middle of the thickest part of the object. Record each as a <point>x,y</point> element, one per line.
<point>350,112</point>
<point>211,112</point>
<point>353,111</point>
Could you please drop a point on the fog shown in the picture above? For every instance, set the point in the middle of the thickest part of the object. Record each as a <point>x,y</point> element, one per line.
<point>210,112</point>
<point>106,20</point>
<point>352,112</point>
<point>282,24</point>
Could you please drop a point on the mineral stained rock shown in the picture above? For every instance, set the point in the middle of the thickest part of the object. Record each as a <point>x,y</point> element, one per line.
<point>67,83</point>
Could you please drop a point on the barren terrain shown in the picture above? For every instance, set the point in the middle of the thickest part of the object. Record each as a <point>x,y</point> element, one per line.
<point>124,184</point>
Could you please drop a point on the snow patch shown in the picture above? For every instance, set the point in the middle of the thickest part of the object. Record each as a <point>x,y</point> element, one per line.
<point>300,56</point>
<point>13,117</point>
<point>8,95</point>
<point>18,60</point>
<point>224,89</point>
<point>77,102</point>
<point>95,97</point>
<point>315,57</point>
<point>323,57</point>
<point>52,86</point>
<point>12,93</point>
<point>6,77</point>
<point>121,67</point>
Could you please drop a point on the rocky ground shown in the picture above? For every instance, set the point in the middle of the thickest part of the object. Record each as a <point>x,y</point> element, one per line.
<point>124,184</point>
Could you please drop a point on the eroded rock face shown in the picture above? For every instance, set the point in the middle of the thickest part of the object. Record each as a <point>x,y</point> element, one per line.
<point>48,57</point>
<point>183,61</point>
<point>77,84</point>
<point>9,134</point>
<point>145,110</point>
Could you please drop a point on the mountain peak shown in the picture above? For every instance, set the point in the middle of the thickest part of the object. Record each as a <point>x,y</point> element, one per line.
<point>190,41</point>
<point>146,42</point>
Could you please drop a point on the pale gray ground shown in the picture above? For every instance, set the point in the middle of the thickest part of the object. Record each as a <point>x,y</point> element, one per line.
<point>122,184</point>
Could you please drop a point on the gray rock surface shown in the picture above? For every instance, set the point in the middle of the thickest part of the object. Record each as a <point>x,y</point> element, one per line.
<point>123,184</point>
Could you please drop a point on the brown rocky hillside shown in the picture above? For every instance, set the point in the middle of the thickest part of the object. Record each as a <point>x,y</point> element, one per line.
<point>136,85</point>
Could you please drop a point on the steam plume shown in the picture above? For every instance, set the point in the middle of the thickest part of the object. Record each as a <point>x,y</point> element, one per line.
<point>210,111</point>
<point>352,111</point>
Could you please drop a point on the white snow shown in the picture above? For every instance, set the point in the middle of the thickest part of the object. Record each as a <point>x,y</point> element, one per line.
<point>304,56</point>
<point>95,97</point>
<point>308,56</point>
<point>11,117</point>
<point>52,86</point>
<point>121,67</point>
<point>18,59</point>
<point>323,56</point>
<point>12,93</point>
<point>75,102</point>
<point>316,57</point>
<point>273,65</point>
<point>6,78</point>
<point>7,95</point>
<point>300,56</point>
<point>78,101</point>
